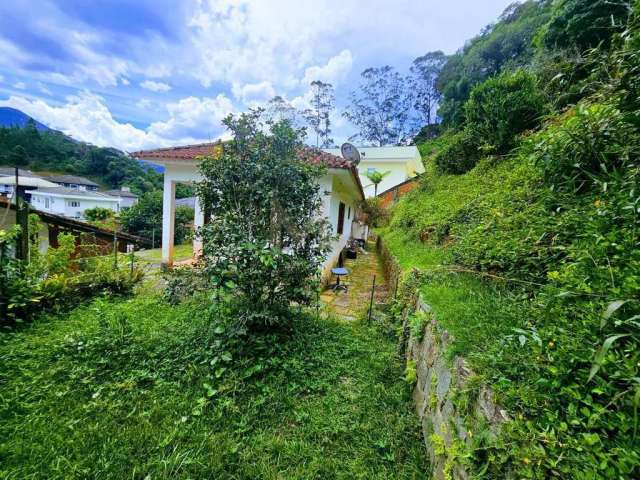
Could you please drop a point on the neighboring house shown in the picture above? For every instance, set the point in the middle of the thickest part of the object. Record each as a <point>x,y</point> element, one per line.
<point>26,183</point>
<point>340,187</point>
<point>74,182</point>
<point>127,199</point>
<point>11,171</point>
<point>71,202</point>
<point>402,163</point>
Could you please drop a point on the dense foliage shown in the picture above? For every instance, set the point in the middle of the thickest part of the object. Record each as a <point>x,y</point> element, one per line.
<point>532,262</point>
<point>504,45</point>
<point>503,107</point>
<point>145,219</point>
<point>54,279</point>
<point>55,152</point>
<point>266,238</point>
<point>585,24</point>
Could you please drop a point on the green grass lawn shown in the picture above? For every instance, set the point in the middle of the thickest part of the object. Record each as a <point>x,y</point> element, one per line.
<point>135,388</point>
<point>180,252</point>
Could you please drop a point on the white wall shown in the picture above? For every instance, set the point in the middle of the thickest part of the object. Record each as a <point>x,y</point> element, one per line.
<point>62,205</point>
<point>398,174</point>
<point>339,192</point>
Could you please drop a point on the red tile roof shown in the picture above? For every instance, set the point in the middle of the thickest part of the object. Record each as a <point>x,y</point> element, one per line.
<point>192,152</point>
<point>186,152</point>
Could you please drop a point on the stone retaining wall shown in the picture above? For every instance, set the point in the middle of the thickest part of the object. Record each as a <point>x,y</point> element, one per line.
<point>454,407</point>
<point>449,400</point>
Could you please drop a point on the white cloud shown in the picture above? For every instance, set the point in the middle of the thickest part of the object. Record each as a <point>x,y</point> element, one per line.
<point>335,70</point>
<point>194,117</point>
<point>86,117</point>
<point>44,89</point>
<point>155,86</point>
<point>20,85</point>
<point>1,78</point>
<point>124,81</point>
<point>253,94</point>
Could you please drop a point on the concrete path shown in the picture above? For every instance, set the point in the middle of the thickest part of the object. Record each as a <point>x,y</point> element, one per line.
<point>354,303</point>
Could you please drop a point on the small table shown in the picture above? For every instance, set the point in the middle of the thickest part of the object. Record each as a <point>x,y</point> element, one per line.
<point>339,272</point>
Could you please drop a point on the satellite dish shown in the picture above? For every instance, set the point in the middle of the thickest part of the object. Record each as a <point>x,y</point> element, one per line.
<point>350,153</point>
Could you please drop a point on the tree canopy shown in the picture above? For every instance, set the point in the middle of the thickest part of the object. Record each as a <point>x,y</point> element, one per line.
<point>266,239</point>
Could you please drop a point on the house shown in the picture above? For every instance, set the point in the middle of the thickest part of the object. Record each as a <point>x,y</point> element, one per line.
<point>127,198</point>
<point>402,163</point>
<point>74,182</point>
<point>340,186</point>
<point>71,202</point>
<point>26,181</point>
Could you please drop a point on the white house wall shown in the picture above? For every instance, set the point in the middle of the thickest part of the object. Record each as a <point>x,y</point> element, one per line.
<point>399,172</point>
<point>61,206</point>
<point>339,192</point>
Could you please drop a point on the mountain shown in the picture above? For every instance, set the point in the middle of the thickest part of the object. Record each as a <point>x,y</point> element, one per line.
<point>10,117</point>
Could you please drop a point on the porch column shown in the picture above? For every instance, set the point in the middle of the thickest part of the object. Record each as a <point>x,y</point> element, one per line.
<point>198,221</point>
<point>168,219</point>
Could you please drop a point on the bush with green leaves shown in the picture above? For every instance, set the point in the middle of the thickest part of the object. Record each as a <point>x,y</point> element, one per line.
<point>585,24</point>
<point>503,107</point>
<point>377,215</point>
<point>54,279</point>
<point>266,239</point>
<point>589,142</point>
<point>458,153</point>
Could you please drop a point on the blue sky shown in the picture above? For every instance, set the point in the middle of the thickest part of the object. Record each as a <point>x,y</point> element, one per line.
<point>150,73</point>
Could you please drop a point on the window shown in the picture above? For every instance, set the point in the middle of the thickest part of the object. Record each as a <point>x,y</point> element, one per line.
<point>74,203</point>
<point>46,202</point>
<point>340,219</point>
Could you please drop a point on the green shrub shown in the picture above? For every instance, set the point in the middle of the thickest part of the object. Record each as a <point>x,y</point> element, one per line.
<point>459,153</point>
<point>584,24</point>
<point>183,283</point>
<point>588,142</point>
<point>503,107</point>
<point>378,216</point>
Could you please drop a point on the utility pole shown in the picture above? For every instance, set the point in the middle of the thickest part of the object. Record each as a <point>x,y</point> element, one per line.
<point>22,220</point>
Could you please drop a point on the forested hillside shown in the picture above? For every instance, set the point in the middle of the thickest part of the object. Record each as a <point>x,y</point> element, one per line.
<point>526,227</point>
<point>52,151</point>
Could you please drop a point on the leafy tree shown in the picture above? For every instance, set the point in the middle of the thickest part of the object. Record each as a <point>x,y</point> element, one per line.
<point>318,116</point>
<point>266,239</point>
<point>584,24</point>
<point>379,109</point>
<point>425,95</point>
<point>278,109</point>
<point>376,177</point>
<point>145,218</point>
<point>507,45</point>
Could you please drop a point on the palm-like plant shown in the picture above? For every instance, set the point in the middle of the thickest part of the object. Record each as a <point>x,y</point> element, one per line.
<point>376,177</point>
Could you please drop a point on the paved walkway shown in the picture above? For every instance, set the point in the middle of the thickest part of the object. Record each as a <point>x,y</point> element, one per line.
<point>354,303</point>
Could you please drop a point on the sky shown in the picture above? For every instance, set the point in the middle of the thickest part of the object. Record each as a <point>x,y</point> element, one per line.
<point>153,73</point>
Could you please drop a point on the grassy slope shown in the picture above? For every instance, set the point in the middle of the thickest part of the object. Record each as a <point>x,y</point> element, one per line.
<point>473,308</point>
<point>534,344</point>
<point>116,389</point>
